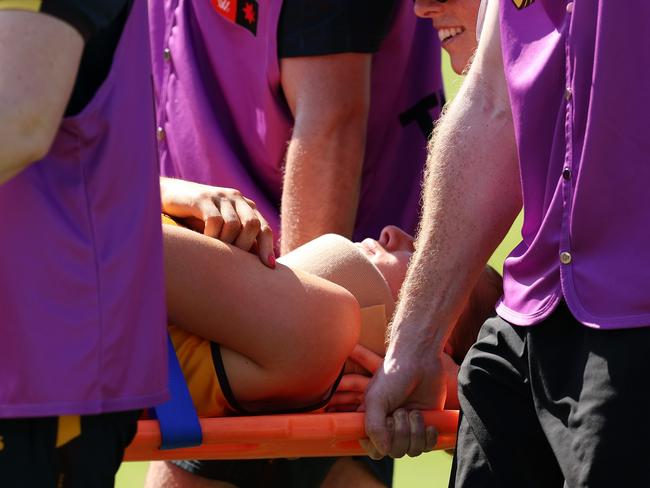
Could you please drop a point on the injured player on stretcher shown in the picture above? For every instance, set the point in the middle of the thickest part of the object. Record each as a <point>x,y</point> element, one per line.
<point>251,339</point>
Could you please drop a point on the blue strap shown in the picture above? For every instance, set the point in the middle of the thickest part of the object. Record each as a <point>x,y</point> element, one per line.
<point>179,424</point>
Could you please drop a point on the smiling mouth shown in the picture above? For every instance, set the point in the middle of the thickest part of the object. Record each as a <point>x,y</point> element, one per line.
<point>446,34</point>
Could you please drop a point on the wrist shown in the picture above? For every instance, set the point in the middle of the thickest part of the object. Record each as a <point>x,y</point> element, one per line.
<point>414,335</point>
<point>413,348</point>
<point>164,192</point>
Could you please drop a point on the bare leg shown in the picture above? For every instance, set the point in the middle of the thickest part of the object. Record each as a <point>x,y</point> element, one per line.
<point>347,472</point>
<point>164,474</point>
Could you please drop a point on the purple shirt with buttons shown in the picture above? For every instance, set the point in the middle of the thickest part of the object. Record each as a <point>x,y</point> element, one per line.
<point>224,119</point>
<point>579,75</point>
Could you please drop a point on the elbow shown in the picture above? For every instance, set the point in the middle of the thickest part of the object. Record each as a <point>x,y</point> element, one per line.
<point>344,327</point>
<point>26,139</point>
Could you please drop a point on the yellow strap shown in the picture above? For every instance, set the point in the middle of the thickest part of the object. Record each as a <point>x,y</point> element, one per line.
<point>32,5</point>
<point>69,428</point>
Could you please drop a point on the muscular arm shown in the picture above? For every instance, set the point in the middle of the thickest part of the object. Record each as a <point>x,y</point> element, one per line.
<point>39,56</point>
<point>471,196</point>
<point>329,97</point>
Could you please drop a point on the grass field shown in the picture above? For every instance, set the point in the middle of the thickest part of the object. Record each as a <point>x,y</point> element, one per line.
<point>429,470</point>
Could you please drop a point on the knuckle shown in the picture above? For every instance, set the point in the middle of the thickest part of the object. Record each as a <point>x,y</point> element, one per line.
<point>231,222</point>
<point>252,224</point>
<point>416,420</point>
<point>215,219</point>
<point>402,430</point>
<point>228,193</point>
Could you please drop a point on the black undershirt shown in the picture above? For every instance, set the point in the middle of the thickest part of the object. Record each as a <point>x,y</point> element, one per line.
<point>97,59</point>
<point>100,22</point>
<point>321,27</point>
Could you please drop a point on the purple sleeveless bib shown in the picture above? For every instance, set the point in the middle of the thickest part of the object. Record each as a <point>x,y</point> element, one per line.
<point>81,272</point>
<point>224,121</point>
<point>579,92</point>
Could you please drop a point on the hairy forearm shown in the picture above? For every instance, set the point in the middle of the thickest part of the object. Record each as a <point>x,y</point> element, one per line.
<point>322,181</point>
<point>329,97</point>
<point>471,197</point>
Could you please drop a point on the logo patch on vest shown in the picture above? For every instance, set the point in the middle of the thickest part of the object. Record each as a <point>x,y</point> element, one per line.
<point>241,12</point>
<point>522,3</point>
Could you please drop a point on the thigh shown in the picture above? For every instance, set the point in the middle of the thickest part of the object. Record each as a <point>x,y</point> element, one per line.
<point>167,474</point>
<point>500,441</point>
<point>27,452</point>
<point>361,472</point>
<point>92,459</point>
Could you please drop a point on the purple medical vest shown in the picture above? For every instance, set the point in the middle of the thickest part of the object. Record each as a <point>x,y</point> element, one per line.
<point>82,309</point>
<point>579,78</point>
<point>223,119</point>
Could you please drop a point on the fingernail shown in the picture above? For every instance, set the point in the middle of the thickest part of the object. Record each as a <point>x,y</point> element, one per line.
<point>272,260</point>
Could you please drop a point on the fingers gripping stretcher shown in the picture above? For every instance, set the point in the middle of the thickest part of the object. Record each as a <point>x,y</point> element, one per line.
<point>177,432</point>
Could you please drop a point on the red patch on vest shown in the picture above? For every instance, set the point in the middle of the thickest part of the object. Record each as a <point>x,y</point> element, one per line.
<point>242,12</point>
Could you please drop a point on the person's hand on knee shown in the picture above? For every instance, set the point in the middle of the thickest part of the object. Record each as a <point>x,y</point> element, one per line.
<point>222,213</point>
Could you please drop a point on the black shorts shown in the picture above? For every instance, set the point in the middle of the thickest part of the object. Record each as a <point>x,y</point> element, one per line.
<point>29,456</point>
<point>288,473</point>
<point>553,405</point>
<point>320,27</point>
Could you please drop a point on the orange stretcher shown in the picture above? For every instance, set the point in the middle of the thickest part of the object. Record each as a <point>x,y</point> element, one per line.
<point>277,436</point>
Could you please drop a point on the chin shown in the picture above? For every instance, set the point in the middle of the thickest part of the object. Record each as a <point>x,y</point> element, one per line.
<point>460,60</point>
<point>458,65</point>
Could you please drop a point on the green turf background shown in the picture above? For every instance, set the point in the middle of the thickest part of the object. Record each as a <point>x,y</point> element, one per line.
<point>429,470</point>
